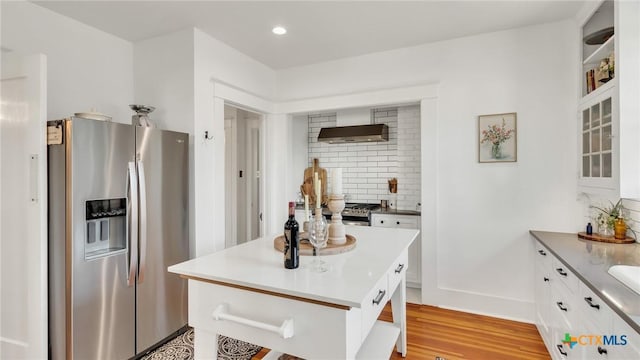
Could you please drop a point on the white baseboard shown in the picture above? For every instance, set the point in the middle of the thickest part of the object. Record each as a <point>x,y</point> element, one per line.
<point>481,304</point>
<point>414,296</point>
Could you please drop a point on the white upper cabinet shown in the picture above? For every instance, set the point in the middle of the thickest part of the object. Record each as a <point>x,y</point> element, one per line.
<point>599,141</point>
<point>608,128</point>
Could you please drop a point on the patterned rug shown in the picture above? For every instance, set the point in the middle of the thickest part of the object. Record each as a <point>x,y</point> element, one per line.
<point>181,348</point>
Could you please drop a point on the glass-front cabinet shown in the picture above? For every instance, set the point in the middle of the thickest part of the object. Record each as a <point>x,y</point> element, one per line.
<point>599,142</point>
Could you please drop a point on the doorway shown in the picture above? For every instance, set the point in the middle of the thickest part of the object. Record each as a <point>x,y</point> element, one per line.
<point>243,175</point>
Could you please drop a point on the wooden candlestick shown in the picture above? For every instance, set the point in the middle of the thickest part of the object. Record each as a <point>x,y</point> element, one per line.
<point>337,233</point>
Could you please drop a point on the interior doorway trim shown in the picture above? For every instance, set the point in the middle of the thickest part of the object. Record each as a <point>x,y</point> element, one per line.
<point>427,96</point>
<point>242,99</point>
<point>235,97</point>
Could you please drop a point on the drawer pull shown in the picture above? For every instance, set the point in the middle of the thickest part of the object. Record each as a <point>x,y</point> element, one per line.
<point>397,222</point>
<point>399,268</point>
<point>589,301</point>
<point>560,306</point>
<point>560,349</point>
<point>541,252</point>
<point>546,279</point>
<point>561,271</point>
<point>379,297</point>
<point>601,350</point>
<point>285,330</point>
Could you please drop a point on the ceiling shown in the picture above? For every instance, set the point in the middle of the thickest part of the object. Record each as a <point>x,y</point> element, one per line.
<point>318,31</point>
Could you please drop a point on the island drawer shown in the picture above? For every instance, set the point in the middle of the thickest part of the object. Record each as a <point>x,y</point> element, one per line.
<point>312,322</point>
<point>373,304</point>
<point>397,270</point>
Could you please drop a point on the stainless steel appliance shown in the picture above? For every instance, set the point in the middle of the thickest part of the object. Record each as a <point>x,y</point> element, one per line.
<point>118,216</point>
<point>358,214</point>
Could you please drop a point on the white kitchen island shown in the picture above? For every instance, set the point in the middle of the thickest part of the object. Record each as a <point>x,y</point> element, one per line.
<point>245,292</point>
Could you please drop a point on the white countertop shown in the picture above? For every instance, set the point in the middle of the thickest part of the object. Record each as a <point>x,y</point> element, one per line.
<point>257,265</point>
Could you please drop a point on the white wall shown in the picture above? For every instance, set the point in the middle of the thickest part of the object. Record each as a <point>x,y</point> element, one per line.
<point>482,211</point>
<point>216,62</point>
<point>87,68</point>
<point>163,78</point>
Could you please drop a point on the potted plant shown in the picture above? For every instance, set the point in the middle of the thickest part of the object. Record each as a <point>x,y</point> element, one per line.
<point>607,217</point>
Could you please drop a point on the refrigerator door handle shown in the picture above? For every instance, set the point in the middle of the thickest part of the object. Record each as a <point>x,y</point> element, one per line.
<point>132,221</point>
<point>143,222</point>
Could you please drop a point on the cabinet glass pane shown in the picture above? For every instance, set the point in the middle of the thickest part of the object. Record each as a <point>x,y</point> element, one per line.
<point>586,166</point>
<point>606,111</point>
<point>606,138</point>
<point>606,165</point>
<point>595,115</point>
<point>595,165</point>
<point>585,119</point>
<point>595,140</point>
<point>585,143</point>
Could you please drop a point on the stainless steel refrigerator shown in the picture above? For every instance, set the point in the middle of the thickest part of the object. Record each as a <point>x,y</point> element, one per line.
<point>118,216</point>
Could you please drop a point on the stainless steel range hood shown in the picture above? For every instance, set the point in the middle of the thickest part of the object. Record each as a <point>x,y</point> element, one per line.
<point>353,134</point>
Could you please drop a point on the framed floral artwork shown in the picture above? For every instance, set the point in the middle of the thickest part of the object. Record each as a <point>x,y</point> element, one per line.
<point>497,135</point>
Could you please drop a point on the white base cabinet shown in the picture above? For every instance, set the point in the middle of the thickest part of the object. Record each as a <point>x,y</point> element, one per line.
<point>564,305</point>
<point>405,222</point>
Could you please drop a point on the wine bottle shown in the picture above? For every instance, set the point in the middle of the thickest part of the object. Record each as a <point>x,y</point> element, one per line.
<point>291,240</point>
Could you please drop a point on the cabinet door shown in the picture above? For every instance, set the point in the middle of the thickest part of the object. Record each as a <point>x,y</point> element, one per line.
<point>599,143</point>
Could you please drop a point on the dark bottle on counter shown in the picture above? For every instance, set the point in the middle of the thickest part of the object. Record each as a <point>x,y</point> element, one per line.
<point>291,240</point>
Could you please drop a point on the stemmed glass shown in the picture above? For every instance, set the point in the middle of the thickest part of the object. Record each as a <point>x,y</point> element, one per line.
<point>318,236</point>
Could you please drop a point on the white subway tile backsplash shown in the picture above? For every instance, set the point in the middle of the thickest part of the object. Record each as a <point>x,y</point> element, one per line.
<point>368,166</point>
<point>633,214</point>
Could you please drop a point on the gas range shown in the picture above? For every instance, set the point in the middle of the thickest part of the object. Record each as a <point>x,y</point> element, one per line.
<point>354,213</point>
<point>359,209</point>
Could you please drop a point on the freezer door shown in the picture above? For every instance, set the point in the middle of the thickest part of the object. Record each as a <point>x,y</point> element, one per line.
<point>161,297</point>
<point>102,304</point>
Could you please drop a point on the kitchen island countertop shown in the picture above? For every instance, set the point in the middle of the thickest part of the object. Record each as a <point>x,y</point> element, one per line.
<point>590,261</point>
<point>257,265</point>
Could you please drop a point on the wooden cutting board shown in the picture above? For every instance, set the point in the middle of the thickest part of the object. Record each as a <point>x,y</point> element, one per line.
<point>306,248</point>
<point>607,239</point>
<point>307,185</point>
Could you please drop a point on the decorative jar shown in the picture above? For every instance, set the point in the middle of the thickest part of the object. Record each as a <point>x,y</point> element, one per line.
<point>620,229</point>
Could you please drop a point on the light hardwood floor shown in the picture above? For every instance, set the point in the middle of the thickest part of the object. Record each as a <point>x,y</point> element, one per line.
<point>434,332</point>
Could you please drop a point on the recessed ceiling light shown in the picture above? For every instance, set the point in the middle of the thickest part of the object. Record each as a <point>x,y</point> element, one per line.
<point>279,30</point>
